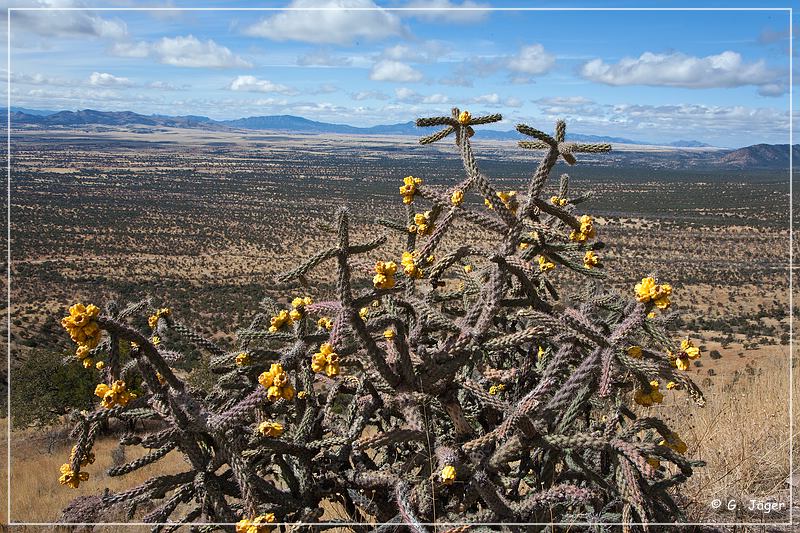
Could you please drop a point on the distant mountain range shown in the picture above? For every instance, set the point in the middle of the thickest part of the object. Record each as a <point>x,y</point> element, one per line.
<point>288,123</point>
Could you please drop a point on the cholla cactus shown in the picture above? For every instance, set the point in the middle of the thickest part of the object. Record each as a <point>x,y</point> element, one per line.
<point>444,385</point>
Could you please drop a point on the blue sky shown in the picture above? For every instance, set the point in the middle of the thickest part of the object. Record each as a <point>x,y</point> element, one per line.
<point>721,77</point>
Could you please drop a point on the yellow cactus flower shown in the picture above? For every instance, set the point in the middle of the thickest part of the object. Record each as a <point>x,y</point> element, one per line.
<point>88,362</point>
<point>156,340</point>
<point>648,290</point>
<point>648,397</point>
<point>302,394</point>
<point>384,276</point>
<point>259,524</point>
<point>115,395</point>
<point>635,352</point>
<point>464,117</point>
<point>457,198</point>
<point>242,359</point>
<point>691,351</point>
<point>674,442</point>
<point>326,360</point>
<point>493,390</point>
<point>590,260</point>
<point>540,353</point>
<point>100,365</point>
<point>423,225</point>
<point>448,474</point>
<point>276,381</point>
<point>283,318</point>
<point>270,429</point>
<point>671,385</point>
<point>468,268</point>
<point>70,478</point>
<point>389,334</point>
<point>586,231</point>
<point>545,264</point>
<point>363,312</point>
<point>82,352</point>
<point>82,326</point>
<point>325,323</point>
<point>410,267</point>
<point>409,188</point>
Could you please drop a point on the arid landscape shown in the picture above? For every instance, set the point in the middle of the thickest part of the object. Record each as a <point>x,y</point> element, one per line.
<point>204,222</point>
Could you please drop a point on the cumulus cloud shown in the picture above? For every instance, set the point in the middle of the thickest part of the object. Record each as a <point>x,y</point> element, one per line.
<point>183,51</point>
<point>495,100</point>
<point>532,59</point>
<point>104,79</point>
<point>331,26</point>
<point>67,23</point>
<point>727,69</point>
<point>465,12</point>
<point>256,85</point>
<point>388,70</point>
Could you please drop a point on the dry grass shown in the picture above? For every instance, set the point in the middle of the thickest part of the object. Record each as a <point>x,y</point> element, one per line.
<point>743,435</point>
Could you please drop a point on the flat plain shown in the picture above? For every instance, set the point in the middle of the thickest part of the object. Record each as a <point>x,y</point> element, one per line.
<point>204,222</point>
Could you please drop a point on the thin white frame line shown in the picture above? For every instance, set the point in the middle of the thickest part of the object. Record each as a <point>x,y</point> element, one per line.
<point>791,277</point>
<point>502,9</point>
<point>400,9</point>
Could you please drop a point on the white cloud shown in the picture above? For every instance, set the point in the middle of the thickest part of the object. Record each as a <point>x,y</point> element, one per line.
<point>426,52</point>
<point>183,51</point>
<point>256,85</point>
<point>404,94</point>
<point>162,85</point>
<point>104,79</point>
<point>369,95</point>
<point>727,69</point>
<point>445,11</point>
<point>66,23</point>
<point>495,100</point>
<point>532,59</point>
<point>331,26</point>
<point>388,70</point>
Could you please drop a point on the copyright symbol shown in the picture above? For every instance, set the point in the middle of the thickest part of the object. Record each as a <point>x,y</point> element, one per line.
<point>716,503</point>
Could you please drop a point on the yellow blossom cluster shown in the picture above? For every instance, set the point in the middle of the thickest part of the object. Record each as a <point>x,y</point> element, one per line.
<point>648,290</point>
<point>325,323</point>
<point>280,320</point>
<point>590,260</point>
<point>457,198</point>
<point>259,524</point>
<point>674,442</point>
<point>153,320</point>
<point>586,232</point>
<point>635,352</point>
<point>468,268</point>
<point>116,394</point>
<point>509,200</point>
<point>242,359</point>
<point>448,474</point>
<point>100,365</point>
<point>276,381</point>
<point>389,334</point>
<point>270,429</point>
<point>688,352</point>
<point>410,266</point>
<point>494,389</point>
<point>298,307</point>
<point>156,340</point>
<point>384,274</point>
<point>649,397</point>
<point>83,329</point>
<point>464,117</point>
<point>326,360</point>
<point>409,188</point>
<point>423,224</point>
<point>556,200</point>
<point>545,264</point>
<point>70,478</point>
<point>363,312</point>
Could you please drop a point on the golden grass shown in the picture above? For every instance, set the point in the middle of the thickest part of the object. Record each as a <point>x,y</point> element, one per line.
<point>743,435</point>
